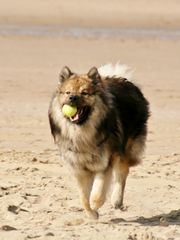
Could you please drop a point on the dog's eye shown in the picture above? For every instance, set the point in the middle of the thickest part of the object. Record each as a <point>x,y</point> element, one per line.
<point>84,93</point>
<point>68,92</point>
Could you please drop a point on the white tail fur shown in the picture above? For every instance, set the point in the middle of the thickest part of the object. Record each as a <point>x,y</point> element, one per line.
<point>117,70</point>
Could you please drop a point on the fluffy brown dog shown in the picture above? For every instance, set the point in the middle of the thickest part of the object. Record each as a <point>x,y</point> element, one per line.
<point>105,136</point>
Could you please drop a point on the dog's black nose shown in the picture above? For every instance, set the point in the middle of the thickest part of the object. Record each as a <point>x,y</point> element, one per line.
<point>74,98</point>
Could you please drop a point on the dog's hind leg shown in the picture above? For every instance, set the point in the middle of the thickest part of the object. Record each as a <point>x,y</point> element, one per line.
<point>100,186</point>
<point>120,173</point>
<point>85,181</point>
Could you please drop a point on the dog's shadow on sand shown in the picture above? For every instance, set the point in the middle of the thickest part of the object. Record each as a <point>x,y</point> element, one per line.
<point>172,218</point>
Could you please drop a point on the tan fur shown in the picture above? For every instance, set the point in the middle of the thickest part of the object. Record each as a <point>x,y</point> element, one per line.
<point>134,150</point>
<point>120,173</point>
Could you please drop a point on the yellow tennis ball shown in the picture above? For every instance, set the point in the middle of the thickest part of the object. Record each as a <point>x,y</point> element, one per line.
<point>69,111</point>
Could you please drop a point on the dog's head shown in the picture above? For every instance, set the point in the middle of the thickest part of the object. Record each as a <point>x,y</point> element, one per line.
<point>80,91</point>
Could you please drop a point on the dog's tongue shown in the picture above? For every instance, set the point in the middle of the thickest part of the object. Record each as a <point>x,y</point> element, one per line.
<point>75,117</point>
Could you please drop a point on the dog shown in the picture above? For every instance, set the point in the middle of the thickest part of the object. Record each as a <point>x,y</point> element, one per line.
<point>107,134</point>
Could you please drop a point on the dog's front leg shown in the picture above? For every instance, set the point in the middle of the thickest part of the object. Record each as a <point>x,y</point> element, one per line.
<point>85,180</point>
<point>99,189</point>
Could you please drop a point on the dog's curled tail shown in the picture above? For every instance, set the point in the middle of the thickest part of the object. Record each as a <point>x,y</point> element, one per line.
<point>117,70</point>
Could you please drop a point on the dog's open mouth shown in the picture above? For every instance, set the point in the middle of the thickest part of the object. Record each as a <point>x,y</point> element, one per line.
<point>81,115</point>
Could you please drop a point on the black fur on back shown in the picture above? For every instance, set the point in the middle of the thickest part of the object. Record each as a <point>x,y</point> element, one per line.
<point>130,108</point>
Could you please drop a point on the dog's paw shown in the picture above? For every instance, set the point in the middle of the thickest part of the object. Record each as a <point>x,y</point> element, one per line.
<point>116,202</point>
<point>92,214</point>
<point>117,205</point>
<point>96,202</point>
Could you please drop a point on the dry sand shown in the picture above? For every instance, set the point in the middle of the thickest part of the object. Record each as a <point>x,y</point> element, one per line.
<point>124,13</point>
<point>38,197</point>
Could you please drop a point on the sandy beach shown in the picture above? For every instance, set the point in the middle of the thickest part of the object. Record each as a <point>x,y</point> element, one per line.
<point>38,197</point>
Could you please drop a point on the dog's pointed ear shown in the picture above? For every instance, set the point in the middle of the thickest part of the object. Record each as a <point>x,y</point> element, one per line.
<point>64,74</point>
<point>94,75</point>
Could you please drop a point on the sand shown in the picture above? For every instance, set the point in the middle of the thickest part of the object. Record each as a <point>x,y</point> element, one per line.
<point>38,196</point>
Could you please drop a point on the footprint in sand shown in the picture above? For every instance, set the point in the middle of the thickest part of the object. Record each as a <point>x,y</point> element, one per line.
<point>149,236</point>
<point>144,236</point>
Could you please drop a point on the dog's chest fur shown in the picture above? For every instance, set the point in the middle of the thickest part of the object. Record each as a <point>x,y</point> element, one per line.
<point>80,145</point>
<point>85,156</point>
